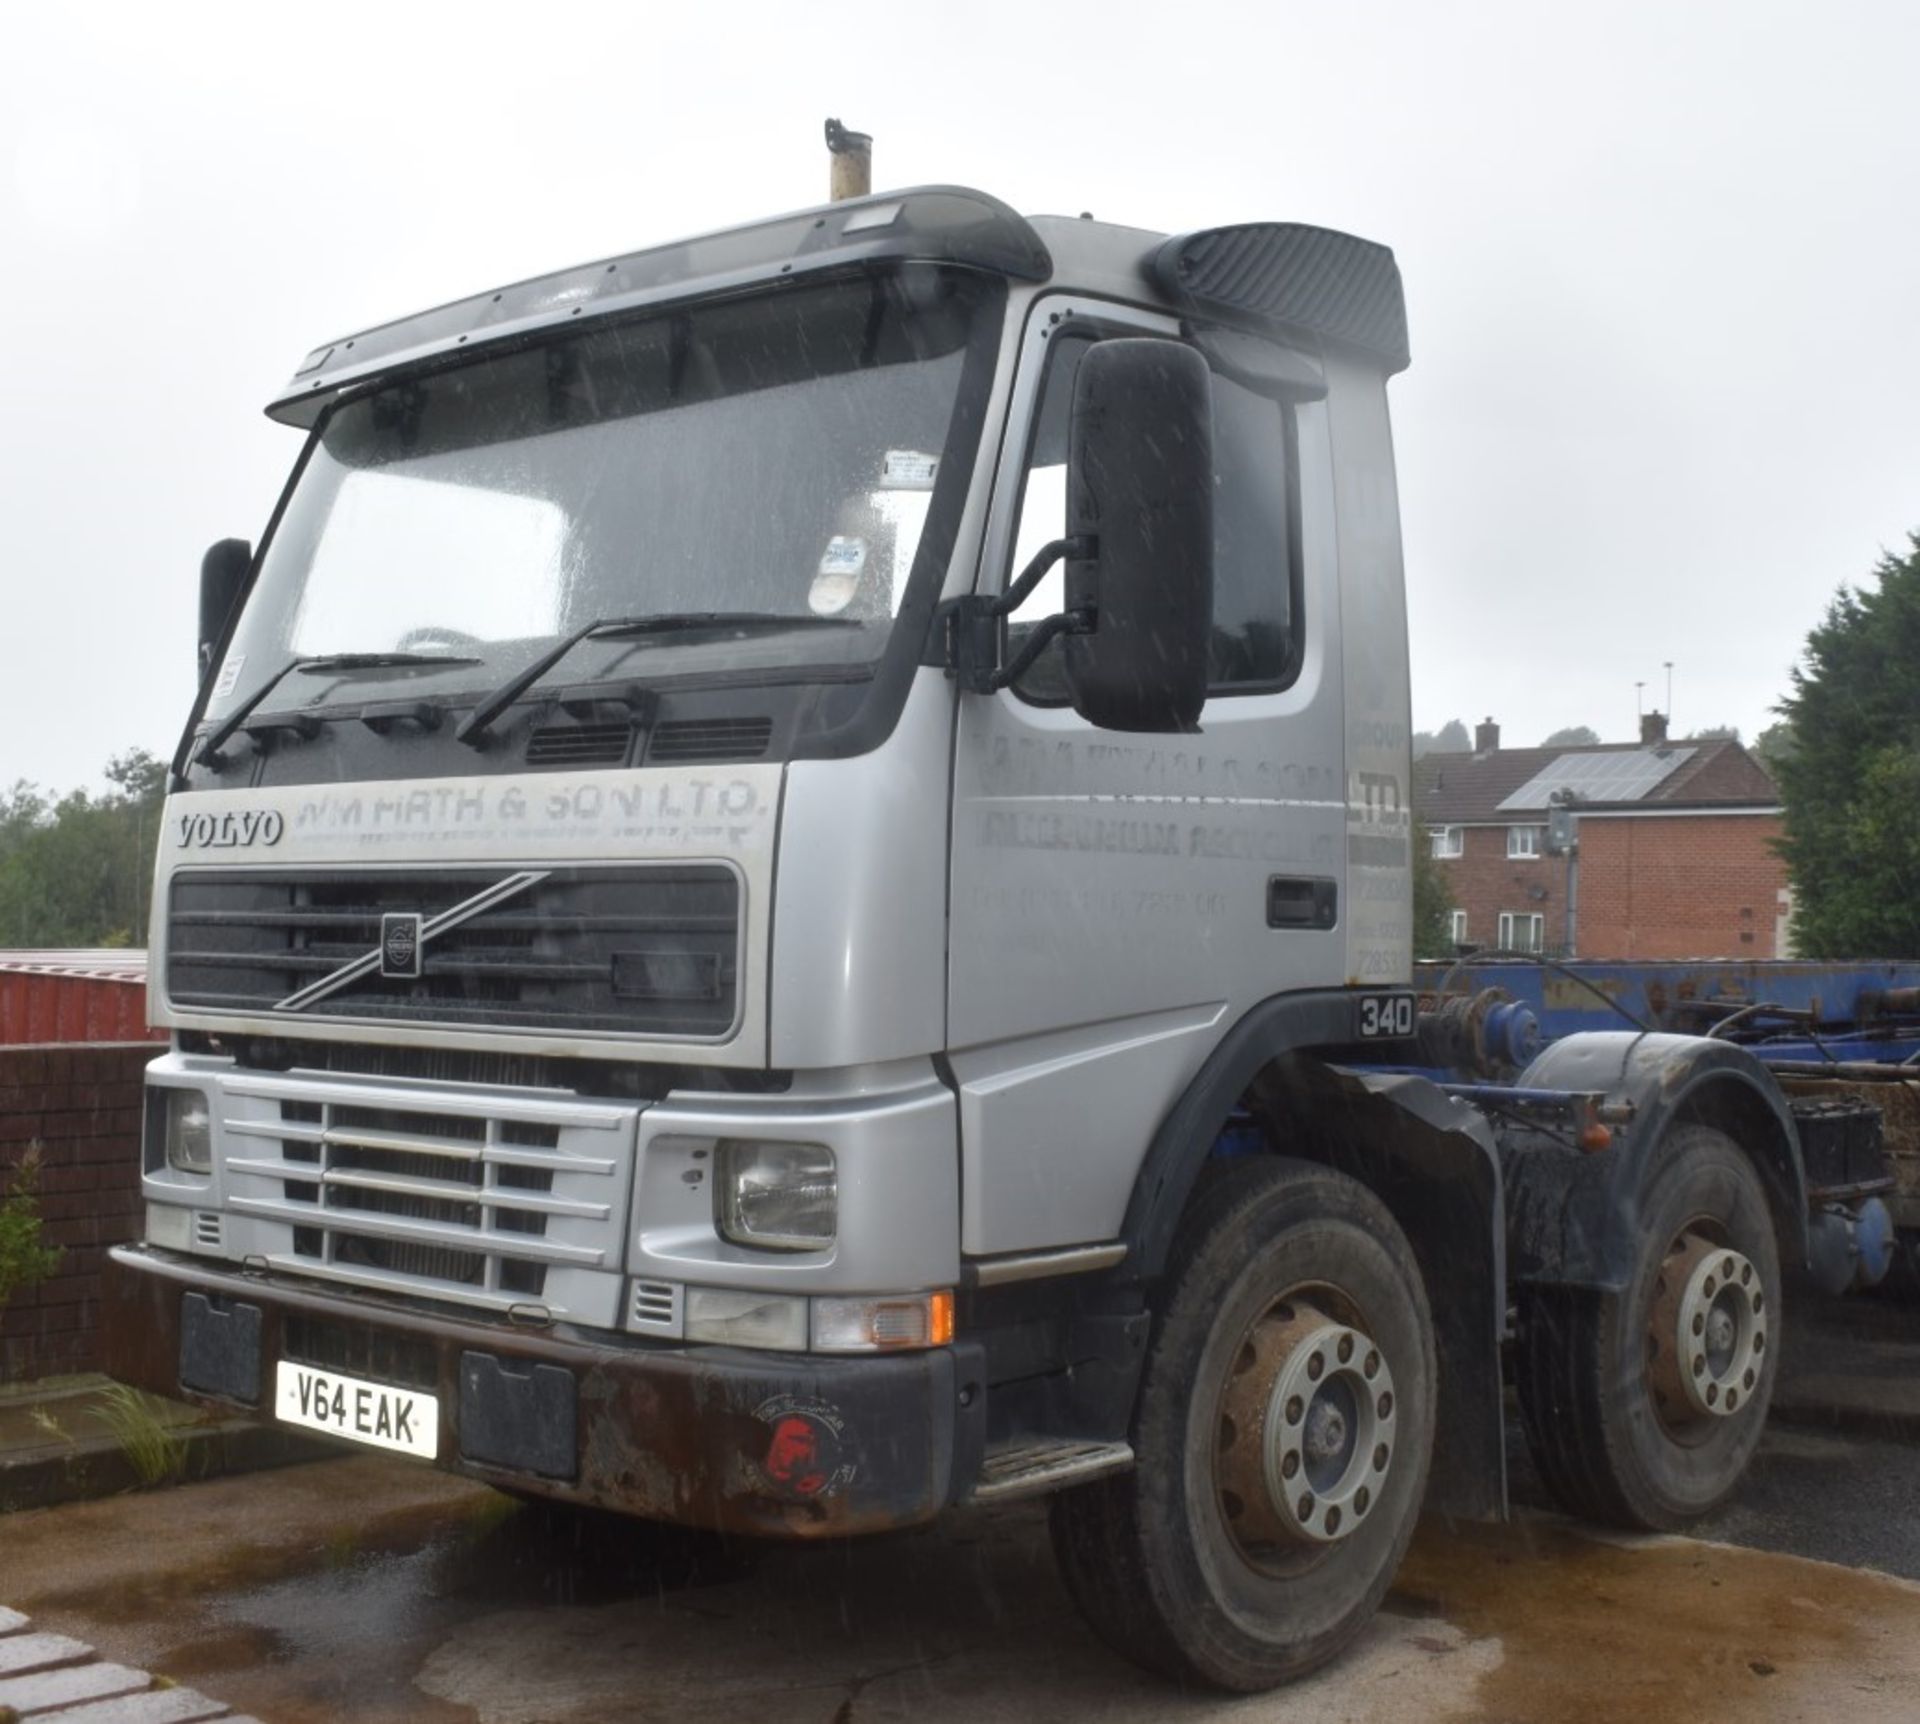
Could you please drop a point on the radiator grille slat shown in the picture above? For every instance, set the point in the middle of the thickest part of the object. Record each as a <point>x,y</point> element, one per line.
<point>451,1200</point>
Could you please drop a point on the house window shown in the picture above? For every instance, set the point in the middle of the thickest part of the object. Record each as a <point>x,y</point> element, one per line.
<point>1457,927</point>
<point>1522,931</point>
<point>1523,843</point>
<point>1448,841</point>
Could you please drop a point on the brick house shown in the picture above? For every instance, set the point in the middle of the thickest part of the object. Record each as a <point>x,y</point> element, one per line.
<point>1673,847</point>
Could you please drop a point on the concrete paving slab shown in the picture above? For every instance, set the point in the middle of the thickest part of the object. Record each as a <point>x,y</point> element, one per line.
<point>68,1686</point>
<point>21,1654</point>
<point>55,1679</point>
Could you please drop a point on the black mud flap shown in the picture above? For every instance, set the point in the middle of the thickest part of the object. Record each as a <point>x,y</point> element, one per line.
<point>220,1348</point>
<point>523,1418</point>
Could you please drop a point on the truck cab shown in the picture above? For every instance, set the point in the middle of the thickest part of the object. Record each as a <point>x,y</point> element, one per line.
<point>769,902</point>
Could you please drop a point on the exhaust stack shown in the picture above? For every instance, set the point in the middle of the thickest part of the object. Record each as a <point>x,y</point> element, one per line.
<point>851,162</point>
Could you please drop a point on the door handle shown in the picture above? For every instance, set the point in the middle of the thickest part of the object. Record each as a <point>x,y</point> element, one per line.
<point>1298,901</point>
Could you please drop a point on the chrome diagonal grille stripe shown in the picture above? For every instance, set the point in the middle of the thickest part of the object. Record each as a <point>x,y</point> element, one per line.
<point>366,965</point>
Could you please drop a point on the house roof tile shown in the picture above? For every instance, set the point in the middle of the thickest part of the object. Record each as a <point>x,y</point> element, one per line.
<point>1468,789</point>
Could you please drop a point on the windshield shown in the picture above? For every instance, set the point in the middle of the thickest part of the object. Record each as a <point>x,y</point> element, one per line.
<point>775,455</point>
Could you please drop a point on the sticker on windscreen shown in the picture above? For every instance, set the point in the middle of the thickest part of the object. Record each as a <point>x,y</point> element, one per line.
<point>838,577</point>
<point>229,675</point>
<point>909,470</point>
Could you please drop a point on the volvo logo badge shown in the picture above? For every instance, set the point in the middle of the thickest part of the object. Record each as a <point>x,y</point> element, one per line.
<point>400,943</point>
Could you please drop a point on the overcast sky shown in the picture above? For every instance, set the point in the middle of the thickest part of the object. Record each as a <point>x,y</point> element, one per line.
<point>1662,266</point>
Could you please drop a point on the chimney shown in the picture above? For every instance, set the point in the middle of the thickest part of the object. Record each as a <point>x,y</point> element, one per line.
<point>1653,728</point>
<point>850,161</point>
<point>1486,736</point>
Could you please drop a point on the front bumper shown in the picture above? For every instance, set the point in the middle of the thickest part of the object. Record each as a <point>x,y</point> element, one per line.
<point>742,1442</point>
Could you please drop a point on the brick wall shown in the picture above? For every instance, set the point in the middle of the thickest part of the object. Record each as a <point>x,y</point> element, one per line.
<point>1484,881</point>
<point>81,1104</point>
<point>1692,886</point>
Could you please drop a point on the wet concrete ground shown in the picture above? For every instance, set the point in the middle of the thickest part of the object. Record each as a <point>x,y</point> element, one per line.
<point>365,1588</point>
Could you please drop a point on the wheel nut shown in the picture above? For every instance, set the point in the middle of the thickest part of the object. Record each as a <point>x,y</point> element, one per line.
<point>1713,1393</point>
<point>1291,1464</point>
<point>1346,1348</point>
<point>1333,1521</point>
<point>1372,1366</point>
<point>1295,1409</point>
<point>1316,1368</point>
<point>1749,1380</point>
<point>1386,1404</point>
<point>1361,1499</point>
<point>1699,1323</point>
<point>1726,1269</point>
<point>1306,1506</point>
<point>1380,1455</point>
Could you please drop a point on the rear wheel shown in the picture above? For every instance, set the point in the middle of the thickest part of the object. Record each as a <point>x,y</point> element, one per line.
<point>1642,1408</point>
<point>1282,1438</point>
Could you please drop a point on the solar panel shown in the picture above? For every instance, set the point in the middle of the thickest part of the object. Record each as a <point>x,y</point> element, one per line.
<point>1620,775</point>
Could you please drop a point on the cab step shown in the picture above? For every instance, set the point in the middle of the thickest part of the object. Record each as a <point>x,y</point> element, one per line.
<point>1030,1469</point>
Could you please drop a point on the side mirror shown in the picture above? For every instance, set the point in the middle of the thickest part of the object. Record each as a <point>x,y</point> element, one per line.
<point>1140,488</point>
<point>223,572</point>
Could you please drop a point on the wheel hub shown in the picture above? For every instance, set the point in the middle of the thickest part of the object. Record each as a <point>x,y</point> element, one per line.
<point>1306,1430</point>
<point>1707,1331</point>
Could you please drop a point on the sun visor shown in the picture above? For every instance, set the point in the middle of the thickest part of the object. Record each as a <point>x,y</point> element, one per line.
<point>1293,280</point>
<point>931,224</point>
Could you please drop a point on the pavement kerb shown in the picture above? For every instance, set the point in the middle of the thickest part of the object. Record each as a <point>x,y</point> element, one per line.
<point>55,1446</point>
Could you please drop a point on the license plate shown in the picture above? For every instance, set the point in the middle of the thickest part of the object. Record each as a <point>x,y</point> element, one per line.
<point>363,1412</point>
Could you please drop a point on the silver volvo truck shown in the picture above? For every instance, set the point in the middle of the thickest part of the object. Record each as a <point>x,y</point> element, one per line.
<point>786,904</point>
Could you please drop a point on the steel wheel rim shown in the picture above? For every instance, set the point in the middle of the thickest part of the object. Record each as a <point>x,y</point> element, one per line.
<point>1707,1334</point>
<point>1304,1431</point>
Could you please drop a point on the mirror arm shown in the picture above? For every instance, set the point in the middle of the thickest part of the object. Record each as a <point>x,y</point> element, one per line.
<point>1044,634</point>
<point>1082,547</point>
<point>975,624</point>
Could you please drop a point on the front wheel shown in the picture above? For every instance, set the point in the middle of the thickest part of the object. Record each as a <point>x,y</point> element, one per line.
<point>1643,1407</point>
<point>1281,1439</point>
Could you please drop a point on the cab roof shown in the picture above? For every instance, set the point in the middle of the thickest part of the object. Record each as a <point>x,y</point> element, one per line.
<point>1277,276</point>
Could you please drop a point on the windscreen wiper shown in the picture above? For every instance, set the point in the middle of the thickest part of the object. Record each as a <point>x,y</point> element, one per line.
<point>472,730</point>
<point>209,751</point>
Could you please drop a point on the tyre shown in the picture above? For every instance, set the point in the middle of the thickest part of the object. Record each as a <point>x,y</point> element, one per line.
<point>1281,1437</point>
<point>1642,1408</point>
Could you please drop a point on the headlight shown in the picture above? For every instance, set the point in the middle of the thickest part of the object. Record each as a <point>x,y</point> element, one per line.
<point>776,1196</point>
<point>189,1132</point>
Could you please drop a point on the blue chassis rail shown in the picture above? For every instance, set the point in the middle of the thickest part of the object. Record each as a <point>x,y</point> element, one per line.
<point>1855,1012</point>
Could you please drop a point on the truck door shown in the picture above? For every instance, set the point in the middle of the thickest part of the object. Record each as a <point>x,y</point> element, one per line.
<point>1118,900</point>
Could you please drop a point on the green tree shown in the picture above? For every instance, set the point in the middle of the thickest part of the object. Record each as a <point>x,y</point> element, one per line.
<point>76,871</point>
<point>1772,746</point>
<point>1715,733</point>
<point>1574,736</point>
<point>1850,777</point>
<point>25,1260</point>
<point>1450,738</point>
<point>1432,902</point>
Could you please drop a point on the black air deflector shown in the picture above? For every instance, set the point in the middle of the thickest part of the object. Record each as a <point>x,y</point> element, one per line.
<point>1293,278</point>
<point>698,739</point>
<point>580,744</point>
